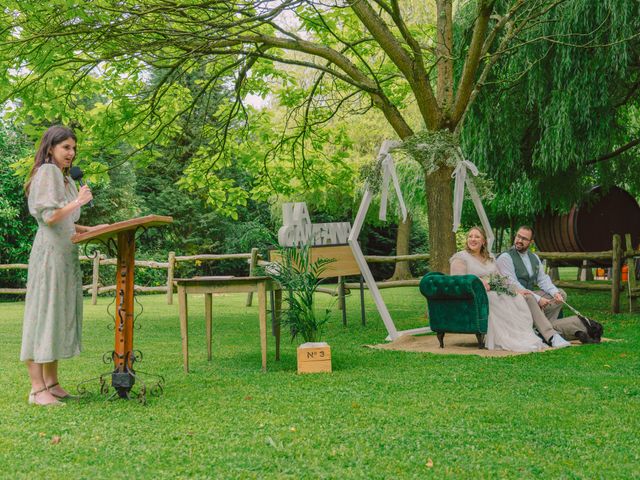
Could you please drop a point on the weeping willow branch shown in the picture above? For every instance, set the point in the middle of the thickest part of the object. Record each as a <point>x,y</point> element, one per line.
<point>615,153</point>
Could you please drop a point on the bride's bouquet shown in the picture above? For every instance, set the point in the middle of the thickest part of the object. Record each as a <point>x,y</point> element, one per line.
<point>500,284</point>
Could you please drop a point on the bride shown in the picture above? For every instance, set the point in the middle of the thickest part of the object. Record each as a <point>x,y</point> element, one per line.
<point>510,323</point>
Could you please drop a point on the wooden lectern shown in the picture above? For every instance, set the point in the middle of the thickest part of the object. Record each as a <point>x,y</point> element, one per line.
<point>122,236</point>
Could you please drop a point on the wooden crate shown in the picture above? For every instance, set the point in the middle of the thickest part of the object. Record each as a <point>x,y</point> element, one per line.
<point>314,357</point>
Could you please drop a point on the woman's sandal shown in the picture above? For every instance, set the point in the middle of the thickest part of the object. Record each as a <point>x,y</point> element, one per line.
<point>60,397</point>
<point>33,399</point>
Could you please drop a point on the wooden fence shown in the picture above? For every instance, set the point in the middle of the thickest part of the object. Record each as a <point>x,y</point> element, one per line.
<point>98,260</point>
<point>617,256</point>
<point>253,258</point>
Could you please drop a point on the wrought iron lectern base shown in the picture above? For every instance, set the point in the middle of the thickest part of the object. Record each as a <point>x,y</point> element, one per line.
<point>122,383</point>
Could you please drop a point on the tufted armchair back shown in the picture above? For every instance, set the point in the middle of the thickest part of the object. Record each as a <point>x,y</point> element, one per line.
<point>457,303</point>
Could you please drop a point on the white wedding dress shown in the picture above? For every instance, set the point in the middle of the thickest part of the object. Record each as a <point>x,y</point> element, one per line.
<point>510,323</point>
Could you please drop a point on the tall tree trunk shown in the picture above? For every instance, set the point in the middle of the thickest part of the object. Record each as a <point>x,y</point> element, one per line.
<point>442,241</point>
<point>402,271</point>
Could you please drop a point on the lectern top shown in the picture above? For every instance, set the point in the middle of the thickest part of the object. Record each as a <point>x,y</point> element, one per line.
<point>112,230</point>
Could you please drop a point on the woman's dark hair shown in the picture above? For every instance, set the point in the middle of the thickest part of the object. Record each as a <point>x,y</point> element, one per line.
<point>52,137</point>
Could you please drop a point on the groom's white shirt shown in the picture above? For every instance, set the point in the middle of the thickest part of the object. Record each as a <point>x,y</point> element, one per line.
<point>506,268</point>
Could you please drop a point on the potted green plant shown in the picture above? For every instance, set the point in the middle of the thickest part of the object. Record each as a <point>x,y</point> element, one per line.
<point>300,277</point>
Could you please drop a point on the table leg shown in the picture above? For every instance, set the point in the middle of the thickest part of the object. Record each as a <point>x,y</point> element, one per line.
<point>184,327</point>
<point>262,308</point>
<point>272,302</point>
<point>342,304</point>
<point>208,319</point>
<point>277,308</point>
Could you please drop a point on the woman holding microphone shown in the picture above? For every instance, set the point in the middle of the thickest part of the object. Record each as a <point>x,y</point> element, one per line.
<point>53,306</point>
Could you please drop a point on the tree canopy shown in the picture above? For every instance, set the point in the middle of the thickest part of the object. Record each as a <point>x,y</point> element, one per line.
<point>362,54</point>
<point>562,115</point>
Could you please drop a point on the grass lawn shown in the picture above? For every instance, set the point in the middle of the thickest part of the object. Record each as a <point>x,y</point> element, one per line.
<point>570,413</point>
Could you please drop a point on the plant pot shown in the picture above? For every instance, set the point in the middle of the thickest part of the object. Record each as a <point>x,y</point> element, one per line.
<point>314,357</point>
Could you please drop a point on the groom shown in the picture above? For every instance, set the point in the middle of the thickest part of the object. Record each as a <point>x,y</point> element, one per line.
<point>525,269</point>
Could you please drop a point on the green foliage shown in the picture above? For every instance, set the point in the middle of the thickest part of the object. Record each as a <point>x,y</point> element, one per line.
<point>126,112</point>
<point>500,284</point>
<point>136,77</point>
<point>371,175</point>
<point>554,108</point>
<point>115,197</point>
<point>432,149</point>
<point>208,196</point>
<point>243,236</point>
<point>16,225</point>
<point>121,89</point>
<point>300,278</point>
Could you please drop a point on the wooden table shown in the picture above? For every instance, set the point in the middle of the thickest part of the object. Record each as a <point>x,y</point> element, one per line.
<point>211,285</point>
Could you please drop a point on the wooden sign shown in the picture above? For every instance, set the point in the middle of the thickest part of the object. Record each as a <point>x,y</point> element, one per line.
<point>298,229</point>
<point>344,263</point>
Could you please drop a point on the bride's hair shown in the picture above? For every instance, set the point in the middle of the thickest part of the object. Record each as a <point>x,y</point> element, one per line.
<point>484,252</point>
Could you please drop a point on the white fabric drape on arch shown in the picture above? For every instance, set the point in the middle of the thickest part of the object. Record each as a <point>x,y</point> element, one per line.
<point>389,174</point>
<point>462,178</point>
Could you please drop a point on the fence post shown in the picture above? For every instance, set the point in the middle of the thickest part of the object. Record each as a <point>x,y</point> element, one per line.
<point>252,271</point>
<point>95,278</point>
<point>585,272</point>
<point>616,266</point>
<point>553,272</point>
<point>581,271</point>
<point>631,272</point>
<point>588,271</point>
<point>171,260</point>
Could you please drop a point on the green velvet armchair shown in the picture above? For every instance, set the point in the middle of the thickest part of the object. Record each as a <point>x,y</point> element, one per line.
<point>457,304</point>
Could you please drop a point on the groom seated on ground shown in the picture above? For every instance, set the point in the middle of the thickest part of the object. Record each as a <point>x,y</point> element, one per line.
<point>525,269</point>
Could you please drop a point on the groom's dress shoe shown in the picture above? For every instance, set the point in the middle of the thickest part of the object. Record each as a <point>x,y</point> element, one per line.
<point>558,342</point>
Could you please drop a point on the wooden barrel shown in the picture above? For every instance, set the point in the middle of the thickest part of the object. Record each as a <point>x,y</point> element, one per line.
<point>589,226</point>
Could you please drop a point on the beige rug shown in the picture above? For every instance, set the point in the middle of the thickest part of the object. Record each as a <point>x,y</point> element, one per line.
<point>454,344</point>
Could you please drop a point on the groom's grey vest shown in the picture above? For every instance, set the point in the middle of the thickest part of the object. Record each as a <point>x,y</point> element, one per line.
<point>526,280</point>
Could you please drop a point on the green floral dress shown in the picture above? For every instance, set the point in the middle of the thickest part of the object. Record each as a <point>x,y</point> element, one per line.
<point>53,307</point>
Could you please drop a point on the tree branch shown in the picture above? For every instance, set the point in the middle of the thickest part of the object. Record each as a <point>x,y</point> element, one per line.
<point>444,51</point>
<point>407,64</point>
<point>468,77</point>
<point>500,26</point>
<point>615,153</point>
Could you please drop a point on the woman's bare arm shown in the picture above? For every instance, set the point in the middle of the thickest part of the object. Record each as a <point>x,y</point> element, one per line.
<point>63,212</point>
<point>84,197</point>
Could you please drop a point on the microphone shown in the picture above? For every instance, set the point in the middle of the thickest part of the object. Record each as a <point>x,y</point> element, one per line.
<point>76,174</point>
